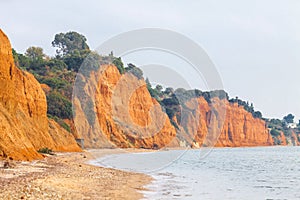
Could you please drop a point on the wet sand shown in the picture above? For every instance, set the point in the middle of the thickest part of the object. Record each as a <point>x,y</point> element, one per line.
<point>67,176</point>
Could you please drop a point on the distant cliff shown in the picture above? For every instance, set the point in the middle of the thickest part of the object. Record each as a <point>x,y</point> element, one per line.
<point>224,124</point>
<point>242,129</point>
<point>124,108</point>
<point>24,126</point>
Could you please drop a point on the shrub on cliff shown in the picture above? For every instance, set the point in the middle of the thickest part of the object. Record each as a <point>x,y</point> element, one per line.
<point>119,64</point>
<point>247,107</point>
<point>257,114</point>
<point>75,59</point>
<point>59,106</point>
<point>153,91</point>
<point>53,82</point>
<point>60,122</point>
<point>169,91</point>
<point>46,150</point>
<point>137,72</point>
<point>287,132</point>
<point>90,63</point>
<point>221,94</point>
<point>56,65</point>
<point>21,61</point>
<point>33,60</point>
<point>275,132</point>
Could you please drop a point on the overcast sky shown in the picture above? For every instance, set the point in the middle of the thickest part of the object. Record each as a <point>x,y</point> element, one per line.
<point>255,44</point>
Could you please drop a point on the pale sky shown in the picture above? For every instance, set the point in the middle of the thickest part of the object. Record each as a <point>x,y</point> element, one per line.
<point>255,44</point>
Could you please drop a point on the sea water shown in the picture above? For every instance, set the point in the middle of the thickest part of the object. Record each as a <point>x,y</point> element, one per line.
<point>219,173</point>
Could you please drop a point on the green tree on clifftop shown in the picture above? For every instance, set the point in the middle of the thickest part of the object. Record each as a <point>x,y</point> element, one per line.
<point>67,43</point>
<point>35,53</point>
<point>289,118</point>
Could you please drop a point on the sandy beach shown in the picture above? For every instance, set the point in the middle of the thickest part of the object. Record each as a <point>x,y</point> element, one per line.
<point>67,176</point>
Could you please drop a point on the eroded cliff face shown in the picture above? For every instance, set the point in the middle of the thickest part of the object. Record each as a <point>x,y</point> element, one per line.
<point>294,139</point>
<point>242,129</point>
<point>282,139</point>
<point>222,124</point>
<point>24,124</point>
<point>287,140</point>
<point>127,116</point>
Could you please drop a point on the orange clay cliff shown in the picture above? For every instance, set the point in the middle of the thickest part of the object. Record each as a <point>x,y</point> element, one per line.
<point>122,113</point>
<point>24,126</point>
<point>122,125</point>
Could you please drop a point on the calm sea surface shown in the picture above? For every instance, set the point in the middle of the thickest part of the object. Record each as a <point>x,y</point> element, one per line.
<point>220,173</point>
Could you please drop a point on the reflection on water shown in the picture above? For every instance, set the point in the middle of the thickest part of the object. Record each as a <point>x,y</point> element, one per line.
<point>226,173</point>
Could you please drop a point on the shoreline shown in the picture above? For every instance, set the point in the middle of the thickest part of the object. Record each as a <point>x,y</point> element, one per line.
<point>69,176</point>
<point>73,176</point>
<point>170,183</point>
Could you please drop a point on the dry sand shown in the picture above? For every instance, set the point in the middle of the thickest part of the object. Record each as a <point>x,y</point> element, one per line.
<point>67,176</point>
